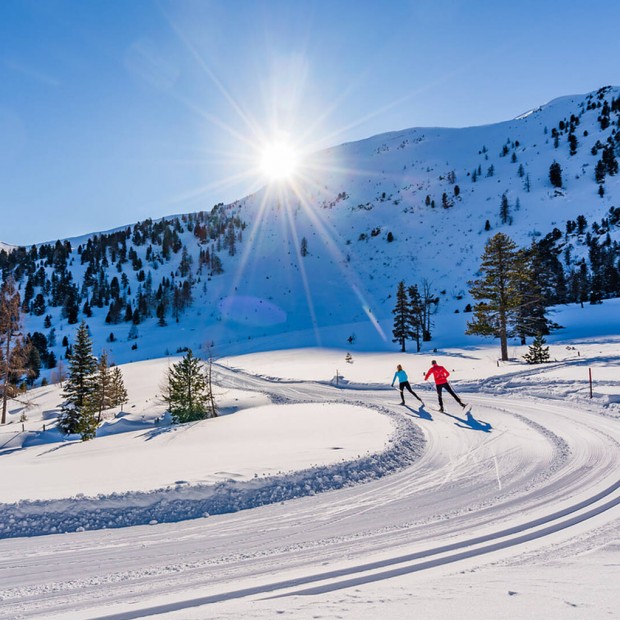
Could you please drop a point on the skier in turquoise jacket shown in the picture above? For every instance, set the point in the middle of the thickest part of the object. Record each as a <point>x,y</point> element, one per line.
<point>403,383</point>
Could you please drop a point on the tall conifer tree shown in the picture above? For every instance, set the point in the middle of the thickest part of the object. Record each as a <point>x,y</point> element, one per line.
<point>12,350</point>
<point>81,381</point>
<point>416,314</point>
<point>119,393</point>
<point>531,318</point>
<point>103,396</point>
<point>402,317</point>
<point>497,292</point>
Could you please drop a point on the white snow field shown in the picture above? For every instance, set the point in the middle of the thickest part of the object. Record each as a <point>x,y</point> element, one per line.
<point>311,499</point>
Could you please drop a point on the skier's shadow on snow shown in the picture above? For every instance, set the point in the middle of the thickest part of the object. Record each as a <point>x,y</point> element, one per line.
<point>471,423</point>
<point>420,413</point>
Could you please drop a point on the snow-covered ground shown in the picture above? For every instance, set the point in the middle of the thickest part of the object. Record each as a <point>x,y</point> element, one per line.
<point>315,494</point>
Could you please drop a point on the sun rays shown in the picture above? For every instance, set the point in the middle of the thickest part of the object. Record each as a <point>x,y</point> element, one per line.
<point>287,182</point>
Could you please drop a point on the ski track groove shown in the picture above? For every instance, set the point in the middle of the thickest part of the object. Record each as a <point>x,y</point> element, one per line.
<point>296,540</point>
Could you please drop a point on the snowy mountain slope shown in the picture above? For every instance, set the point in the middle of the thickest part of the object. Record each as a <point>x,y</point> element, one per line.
<point>387,178</point>
<point>354,196</point>
<point>410,205</point>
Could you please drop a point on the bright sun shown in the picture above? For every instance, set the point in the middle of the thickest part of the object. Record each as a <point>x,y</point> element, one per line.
<point>279,162</point>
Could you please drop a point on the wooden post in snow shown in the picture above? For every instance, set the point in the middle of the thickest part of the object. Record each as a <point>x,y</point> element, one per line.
<point>590,375</point>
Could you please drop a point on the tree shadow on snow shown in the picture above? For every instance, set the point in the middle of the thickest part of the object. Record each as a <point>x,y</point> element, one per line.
<point>153,433</point>
<point>164,428</point>
<point>471,423</point>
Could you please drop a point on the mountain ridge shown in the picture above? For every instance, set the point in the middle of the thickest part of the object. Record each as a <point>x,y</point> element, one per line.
<point>329,250</point>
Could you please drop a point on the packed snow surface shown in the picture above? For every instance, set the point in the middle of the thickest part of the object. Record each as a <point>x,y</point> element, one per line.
<point>146,456</point>
<point>332,499</point>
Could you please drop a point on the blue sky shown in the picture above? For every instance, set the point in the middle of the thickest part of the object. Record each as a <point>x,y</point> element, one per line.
<point>112,111</point>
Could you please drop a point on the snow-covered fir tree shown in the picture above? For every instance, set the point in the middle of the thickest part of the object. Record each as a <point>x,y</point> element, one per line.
<point>187,390</point>
<point>537,353</point>
<point>80,385</point>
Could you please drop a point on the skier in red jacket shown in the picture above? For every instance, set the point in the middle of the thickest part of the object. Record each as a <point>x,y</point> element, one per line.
<point>440,374</point>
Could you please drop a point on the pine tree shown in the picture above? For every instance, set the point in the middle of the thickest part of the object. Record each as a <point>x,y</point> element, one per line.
<point>417,314</point>
<point>32,362</point>
<point>119,392</point>
<point>12,350</point>
<point>555,174</point>
<point>537,354</point>
<point>531,318</point>
<point>496,292</point>
<point>402,317</point>
<point>609,159</point>
<point>504,210</point>
<point>102,397</point>
<point>429,305</point>
<point>548,270</point>
<point>212,411</point>
<point>80,385</point>
<point>572,142</point>
<point>89,420</point>
<point>187,390</point>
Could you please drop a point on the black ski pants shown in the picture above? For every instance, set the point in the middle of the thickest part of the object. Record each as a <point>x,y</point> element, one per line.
<point>406,386</point>
<point>446,386</point>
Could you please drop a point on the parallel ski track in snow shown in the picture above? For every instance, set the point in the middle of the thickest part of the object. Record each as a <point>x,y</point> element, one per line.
<point>543,469</point>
